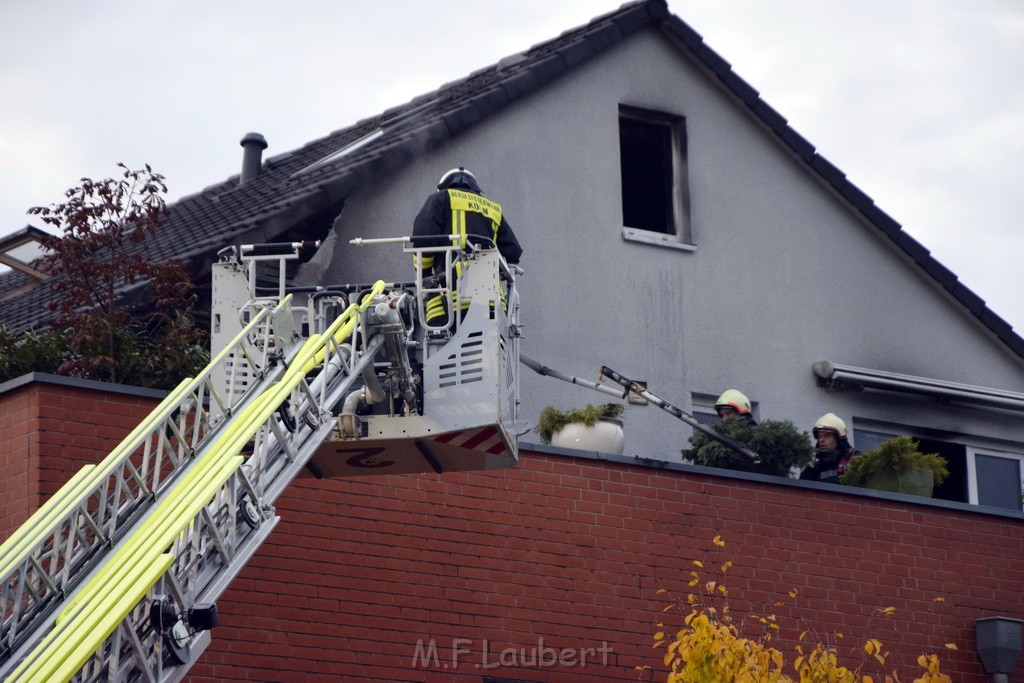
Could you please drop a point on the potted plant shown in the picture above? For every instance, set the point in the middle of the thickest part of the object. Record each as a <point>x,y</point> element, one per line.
<point>897,465</point>
<point>778,443</point>
<point>592,428</point>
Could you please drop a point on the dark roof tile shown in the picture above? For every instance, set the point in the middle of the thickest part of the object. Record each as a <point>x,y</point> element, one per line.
<point>489,101</point>
<point>944,275</point>
<point>681,30</point>
<point>882,220</point>
<point>656,9</point>
<point>796,142</point>
<point>827,171</point>
<point>576,52</point>
<point>999,326</point>
<point>639,16</point>
<point>548,69</point>
<point>461,118</point>
<point>854,194</point>
<point>741,88</point>
<point>974,303</point>
<point>912,247</point>
<point>520,84</point>
<point>603,37</point>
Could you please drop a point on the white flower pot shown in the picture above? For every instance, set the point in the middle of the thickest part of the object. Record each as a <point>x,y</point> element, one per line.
<point>605,437</point>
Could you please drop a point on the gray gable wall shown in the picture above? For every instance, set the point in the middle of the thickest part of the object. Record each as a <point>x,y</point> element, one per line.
<point>784,273</point>
<point>792,265</point>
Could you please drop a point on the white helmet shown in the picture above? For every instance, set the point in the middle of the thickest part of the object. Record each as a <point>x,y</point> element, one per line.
<point>731,398</point>
<point>830,422</point>
<point>459,177</point>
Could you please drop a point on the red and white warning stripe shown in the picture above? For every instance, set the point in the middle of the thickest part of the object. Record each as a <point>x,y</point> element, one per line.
<point>487,439</point>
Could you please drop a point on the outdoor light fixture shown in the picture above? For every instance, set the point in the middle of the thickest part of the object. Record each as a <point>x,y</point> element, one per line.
<point>998,645</point>
<point>849,378</point>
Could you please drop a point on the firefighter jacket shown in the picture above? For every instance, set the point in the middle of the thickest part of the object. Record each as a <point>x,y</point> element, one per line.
<point>459,212</point>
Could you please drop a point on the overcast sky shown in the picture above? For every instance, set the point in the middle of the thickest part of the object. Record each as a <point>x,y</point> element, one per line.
<point>919,102</point>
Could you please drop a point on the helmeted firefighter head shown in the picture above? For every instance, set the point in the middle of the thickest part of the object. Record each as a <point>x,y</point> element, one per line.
<point>459,178</point>
<point>831,424</point>
<point>732,402</point>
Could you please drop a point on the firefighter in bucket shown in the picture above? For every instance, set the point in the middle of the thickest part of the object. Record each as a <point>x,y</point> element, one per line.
<point>459,208</point>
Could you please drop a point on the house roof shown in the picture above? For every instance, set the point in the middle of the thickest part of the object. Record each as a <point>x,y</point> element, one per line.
<point>298,188</point>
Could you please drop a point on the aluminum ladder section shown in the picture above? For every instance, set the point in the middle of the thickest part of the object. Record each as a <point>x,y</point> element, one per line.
<point>174,513</point>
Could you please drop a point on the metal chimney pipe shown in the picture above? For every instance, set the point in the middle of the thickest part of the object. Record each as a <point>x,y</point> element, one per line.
<point>252,157</point>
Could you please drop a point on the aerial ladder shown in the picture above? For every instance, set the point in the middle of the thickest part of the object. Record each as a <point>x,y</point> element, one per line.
<point>116,576</point>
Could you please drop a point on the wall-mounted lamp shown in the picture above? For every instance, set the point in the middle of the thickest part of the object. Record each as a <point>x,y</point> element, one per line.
<point>998,645</point>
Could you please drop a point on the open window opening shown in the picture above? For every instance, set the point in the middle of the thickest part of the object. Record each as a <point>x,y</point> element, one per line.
<point>977,475</point>
<point>655,186</point>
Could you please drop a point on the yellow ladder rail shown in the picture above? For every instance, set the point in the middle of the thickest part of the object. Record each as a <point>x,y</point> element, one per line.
<point>16,548</point>
<point>124,580</point>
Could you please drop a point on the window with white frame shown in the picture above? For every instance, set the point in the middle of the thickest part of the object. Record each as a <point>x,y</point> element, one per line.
<point>978,475</point>
<point>655,186</point>
<point>995,478</point>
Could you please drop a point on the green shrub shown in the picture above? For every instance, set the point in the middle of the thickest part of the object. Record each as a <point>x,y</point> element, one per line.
<point>552,419</point>
<point>897,456</point>
<point>30,352</point>
<point>780,445</point>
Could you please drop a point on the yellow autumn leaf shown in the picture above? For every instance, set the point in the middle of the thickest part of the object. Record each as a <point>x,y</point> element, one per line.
<point>659,635</point>
<point>660,591</point>
<point>951,646</point>
<point>940,599</point>
<point>698,563</point>
<point>792,593</point>
<point>717,540</point>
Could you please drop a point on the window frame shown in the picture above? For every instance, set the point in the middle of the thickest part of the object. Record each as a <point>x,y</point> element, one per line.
<point>679,232</point>
<point>972,445</point>
<point>972,469</point>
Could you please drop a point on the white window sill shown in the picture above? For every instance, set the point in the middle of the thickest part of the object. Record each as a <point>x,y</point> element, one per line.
<point>656,239</point>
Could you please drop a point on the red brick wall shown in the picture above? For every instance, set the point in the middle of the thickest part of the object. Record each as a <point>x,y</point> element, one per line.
<point>49,430</point>
<point>19,457</point>
<point>573,551</point>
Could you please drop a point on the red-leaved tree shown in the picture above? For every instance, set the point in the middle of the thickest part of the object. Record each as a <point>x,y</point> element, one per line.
<point>128,315</point>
